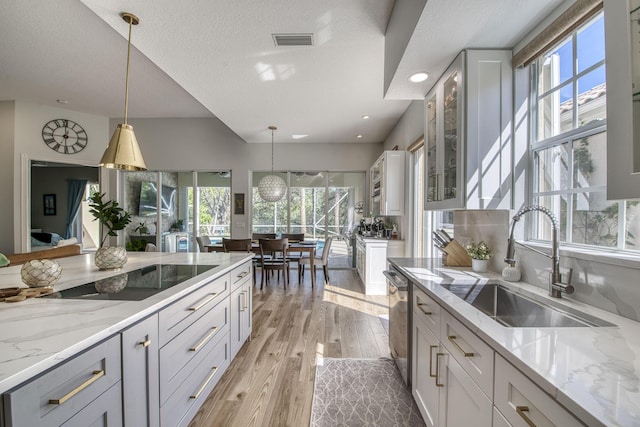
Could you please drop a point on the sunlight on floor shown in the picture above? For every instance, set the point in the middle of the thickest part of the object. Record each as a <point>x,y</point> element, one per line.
<point>375,305</point>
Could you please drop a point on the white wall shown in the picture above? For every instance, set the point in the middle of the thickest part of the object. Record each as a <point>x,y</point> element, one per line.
<point>7,127</point>
<point>28,145</point>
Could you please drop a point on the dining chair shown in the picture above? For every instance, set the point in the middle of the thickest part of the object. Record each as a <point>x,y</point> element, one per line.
<point>240,245</point>
<point>257,236</point>
<point>322,260</point>
<point>292,256</point>
<point>203,242</point>
<point>273,257</point>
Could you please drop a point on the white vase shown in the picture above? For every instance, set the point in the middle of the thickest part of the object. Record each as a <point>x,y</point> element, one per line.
<point>111,257</point>
<point>479,265</point>
<point>40,272</point>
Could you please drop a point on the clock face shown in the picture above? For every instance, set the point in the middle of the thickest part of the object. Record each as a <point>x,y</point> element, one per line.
<point>64,136</point>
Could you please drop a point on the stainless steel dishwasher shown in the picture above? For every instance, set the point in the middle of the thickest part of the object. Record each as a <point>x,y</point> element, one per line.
<point>399,290</point>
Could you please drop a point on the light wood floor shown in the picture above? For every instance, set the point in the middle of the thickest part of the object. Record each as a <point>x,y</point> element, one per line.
<point>270,382</point>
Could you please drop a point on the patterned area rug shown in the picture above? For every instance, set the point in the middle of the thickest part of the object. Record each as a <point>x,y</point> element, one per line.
<point>362,392</point>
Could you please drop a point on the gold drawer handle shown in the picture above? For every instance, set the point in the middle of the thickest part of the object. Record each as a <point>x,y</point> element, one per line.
<point>243,274</point>
<point>145,343</point>
<point>203,386</point>
<point>203,303</point>
<point>431,347</point>
<point>452,338</point>
<point>246,300</point>
<point>204,340</point>
<point>95,376</point>
<point>427,313</point>
<point>438,383</point>
<point>522,410</point>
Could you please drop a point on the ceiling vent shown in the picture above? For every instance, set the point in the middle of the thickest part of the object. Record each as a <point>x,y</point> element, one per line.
<point>293,39</point>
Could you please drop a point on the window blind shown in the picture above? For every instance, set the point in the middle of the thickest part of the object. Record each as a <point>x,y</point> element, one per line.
<point>572,18</point>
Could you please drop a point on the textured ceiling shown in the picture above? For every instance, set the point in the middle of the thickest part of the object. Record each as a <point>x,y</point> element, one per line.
<point>206,58</point>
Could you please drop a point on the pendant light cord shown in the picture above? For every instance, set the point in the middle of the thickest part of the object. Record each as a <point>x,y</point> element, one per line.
<point>126,84</point>
<point>272,149</point>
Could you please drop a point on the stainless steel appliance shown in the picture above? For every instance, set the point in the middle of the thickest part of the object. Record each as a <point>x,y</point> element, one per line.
<point>400,324</point>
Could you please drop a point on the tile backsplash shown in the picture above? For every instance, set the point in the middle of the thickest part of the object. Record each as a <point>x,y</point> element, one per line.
<point>597,282</point>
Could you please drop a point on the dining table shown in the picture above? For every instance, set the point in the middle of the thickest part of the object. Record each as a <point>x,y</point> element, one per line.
<point>304,246</point>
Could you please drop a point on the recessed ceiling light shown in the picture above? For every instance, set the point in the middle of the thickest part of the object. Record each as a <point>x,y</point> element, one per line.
<point>418,77</point>
<point>62,101</point>
<point>366,117</point>
<point>299,136</point>
<point>359,135</point>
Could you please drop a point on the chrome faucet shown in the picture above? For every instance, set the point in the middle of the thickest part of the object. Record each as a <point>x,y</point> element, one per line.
<point>556,286</point>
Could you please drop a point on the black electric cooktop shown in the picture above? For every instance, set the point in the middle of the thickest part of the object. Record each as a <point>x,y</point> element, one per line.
<point>135,285</point>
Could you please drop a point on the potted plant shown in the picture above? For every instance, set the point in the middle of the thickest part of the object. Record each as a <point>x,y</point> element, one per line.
<point>178,225</point>
<point>480,254</point>
<point>112,218</point>
<point>142,228</point>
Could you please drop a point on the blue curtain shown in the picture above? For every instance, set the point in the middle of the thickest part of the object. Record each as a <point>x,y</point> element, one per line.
<point>74,200</point>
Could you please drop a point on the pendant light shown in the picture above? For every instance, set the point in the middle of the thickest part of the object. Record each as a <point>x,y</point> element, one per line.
<point>123,151</point>
<point>272,187</point>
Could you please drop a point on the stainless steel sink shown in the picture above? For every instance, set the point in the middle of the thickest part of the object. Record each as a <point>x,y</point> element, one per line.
<point>514,310</point>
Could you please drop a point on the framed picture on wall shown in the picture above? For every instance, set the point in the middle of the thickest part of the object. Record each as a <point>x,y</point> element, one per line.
<point>238,203</point>
<point>49,203</point>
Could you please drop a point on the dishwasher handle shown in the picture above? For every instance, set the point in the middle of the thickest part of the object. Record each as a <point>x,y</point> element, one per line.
<point>397,280</point>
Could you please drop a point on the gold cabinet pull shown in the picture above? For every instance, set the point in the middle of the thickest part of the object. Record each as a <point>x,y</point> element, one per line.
<point>243,274</point>
<point>204,385</point>
<point>438,383</point>
<point>145,343</point>
<point>425,312</point>
<point>522,411</point>
<point>431,347</point>
<point>203,303</point>
<point>452,338</point>
<point>246,300</point>
<point>204,340</point>
<point>94,377</point>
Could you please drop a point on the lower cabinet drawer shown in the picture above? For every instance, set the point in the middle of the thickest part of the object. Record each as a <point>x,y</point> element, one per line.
<point>240,275</point>
<point>522,402</point>
<point>196,386</point>
<point>176,357</point>
<point>473,354</point>
<point>59,394</point>
<point>426,309</point>
<point>105,411</point>
<point>178,316</point>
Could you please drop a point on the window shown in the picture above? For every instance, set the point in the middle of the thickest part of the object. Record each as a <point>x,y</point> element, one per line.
<point>569,145</point>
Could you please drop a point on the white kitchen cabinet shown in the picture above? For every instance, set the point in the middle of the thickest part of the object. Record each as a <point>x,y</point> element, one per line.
<point>445,393</point>
<point>387,184</point>
<point>468,133</point>
<point>521,402</point>
<point>140,381</point>
<point>371,261</point>
<point>462,402</point>
<point>240,307</point>
<point>424,389</point>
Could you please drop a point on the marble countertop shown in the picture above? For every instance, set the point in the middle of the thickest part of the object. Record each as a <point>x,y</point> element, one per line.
<point>39,333</point>
<point>592,371</point>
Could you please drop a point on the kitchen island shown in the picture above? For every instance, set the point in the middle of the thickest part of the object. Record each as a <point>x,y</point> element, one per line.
<point>41,335</point>
<point>584,375</point>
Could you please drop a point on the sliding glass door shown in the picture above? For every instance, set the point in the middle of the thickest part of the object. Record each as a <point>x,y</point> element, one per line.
<point>318,204</point>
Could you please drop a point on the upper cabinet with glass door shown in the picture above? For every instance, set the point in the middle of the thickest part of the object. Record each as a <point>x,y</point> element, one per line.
<point>468,133</point>
<point>387,184</point>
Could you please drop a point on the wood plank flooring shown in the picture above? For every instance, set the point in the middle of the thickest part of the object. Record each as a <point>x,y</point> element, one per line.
<point>270,382</point>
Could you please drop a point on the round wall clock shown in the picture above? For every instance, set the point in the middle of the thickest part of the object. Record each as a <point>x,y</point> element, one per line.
<point>64,136</point>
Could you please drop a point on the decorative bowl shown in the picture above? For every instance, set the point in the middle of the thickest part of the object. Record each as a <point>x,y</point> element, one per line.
<point>110,257</point>
<point>40,272</point>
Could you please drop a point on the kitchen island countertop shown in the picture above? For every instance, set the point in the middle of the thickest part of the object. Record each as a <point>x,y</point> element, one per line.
<point>39,333</point>
<point>594,372</point>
